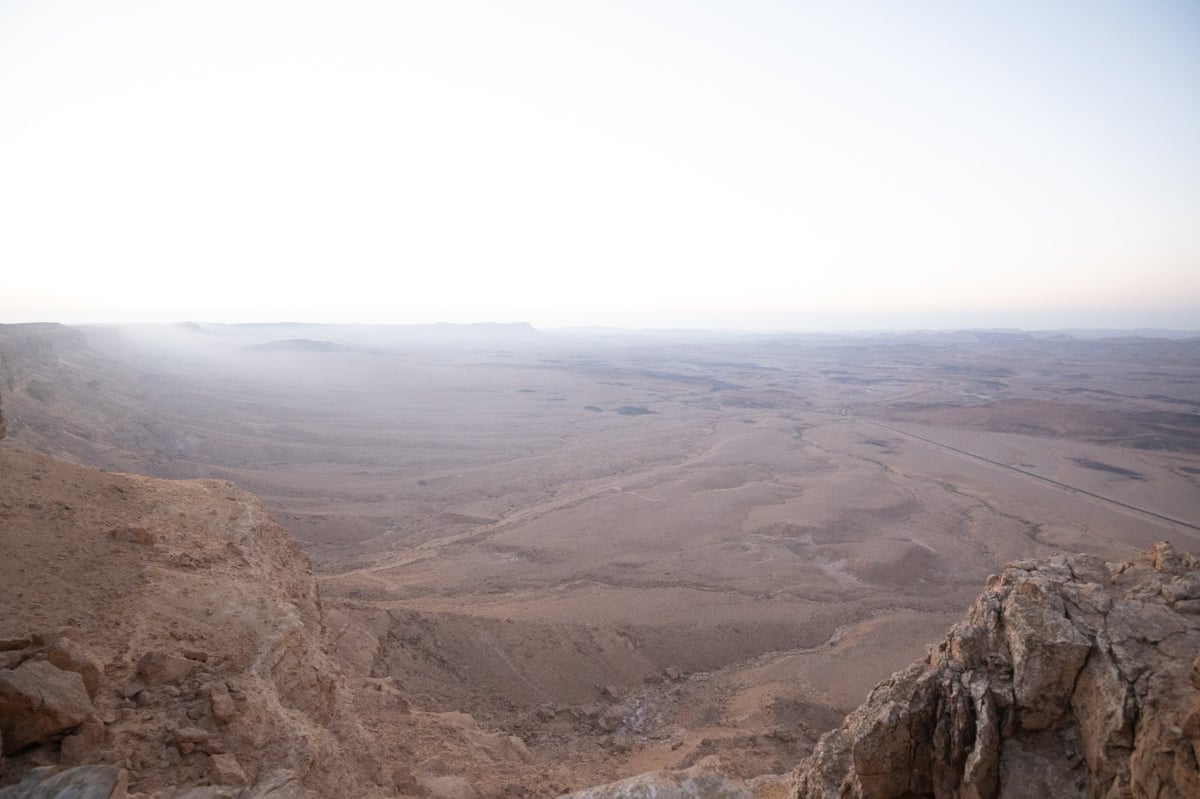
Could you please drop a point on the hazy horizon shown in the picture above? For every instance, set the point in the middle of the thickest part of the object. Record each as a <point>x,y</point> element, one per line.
<point>767,166</point>
<point>749,329</point>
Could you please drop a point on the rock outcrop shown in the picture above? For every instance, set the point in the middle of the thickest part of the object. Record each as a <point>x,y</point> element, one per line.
<point>37,701</point>
<point>188,659</point>
<point>1071,677</point>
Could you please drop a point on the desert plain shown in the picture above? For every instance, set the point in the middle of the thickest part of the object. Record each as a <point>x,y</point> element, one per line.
<point>634,550</point>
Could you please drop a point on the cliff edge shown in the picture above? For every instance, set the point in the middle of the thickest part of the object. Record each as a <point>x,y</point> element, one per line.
<point>171,630</point>
<point>1071,677</point>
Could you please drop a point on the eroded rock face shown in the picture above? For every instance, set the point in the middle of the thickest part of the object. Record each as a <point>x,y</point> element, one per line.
<point>161,654</point>
<point>1070,678</point>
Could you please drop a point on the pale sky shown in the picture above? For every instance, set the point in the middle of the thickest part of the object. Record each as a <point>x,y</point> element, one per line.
<point>739,164</point>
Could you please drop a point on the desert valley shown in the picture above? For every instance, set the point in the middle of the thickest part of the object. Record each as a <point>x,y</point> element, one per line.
<point>545,560</point>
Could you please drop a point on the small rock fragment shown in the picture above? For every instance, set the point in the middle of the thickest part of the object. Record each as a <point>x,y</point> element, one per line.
<point>610,720</point>
<point>159,668</point>
<point>223,708</point>
<point>226,770</point>
<point>192,735</point>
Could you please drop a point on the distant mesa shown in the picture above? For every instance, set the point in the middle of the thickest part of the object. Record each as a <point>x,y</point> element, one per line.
<point>633,410</point>
<point>300,345</point>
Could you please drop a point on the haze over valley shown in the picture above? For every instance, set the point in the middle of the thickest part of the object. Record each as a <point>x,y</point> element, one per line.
<point>634,550</point>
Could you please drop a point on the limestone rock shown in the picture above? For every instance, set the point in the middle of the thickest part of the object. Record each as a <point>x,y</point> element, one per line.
<point>1069,678</point>
<point>159,668</point>
<point>223,708</point>
<point>191,735</point>
<point>81,782</point>
<point>70,656</point>
<point>226,770</point>
<point>87,741</point>
<point>38,700</point>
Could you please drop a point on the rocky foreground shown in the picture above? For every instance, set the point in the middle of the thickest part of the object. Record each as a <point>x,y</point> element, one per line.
<point>165,639</point>
<point>164,633</point>
<point>1070,677</point>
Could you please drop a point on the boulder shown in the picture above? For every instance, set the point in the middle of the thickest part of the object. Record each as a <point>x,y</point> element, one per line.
<point>159,668</point>
<point>70,656</point>
<point>39,700</point>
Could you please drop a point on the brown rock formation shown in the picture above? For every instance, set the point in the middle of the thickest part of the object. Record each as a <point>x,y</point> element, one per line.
<point>161,657</point>
<point>37,701</point>
<point>1070,677</point>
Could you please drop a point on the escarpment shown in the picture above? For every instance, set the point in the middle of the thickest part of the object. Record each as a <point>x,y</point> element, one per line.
<point>166,633</point>
<point>1071,677</point>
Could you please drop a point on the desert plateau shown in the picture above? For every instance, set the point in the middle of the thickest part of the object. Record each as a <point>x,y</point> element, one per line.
<point>492,560</point>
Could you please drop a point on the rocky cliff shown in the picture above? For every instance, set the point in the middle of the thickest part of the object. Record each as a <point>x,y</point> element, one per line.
<point>169,632</point>
<point>165,639</point>
<point>1070,677</point>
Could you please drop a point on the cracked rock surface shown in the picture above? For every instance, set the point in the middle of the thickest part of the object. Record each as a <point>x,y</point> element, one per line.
<point>1071,677</point>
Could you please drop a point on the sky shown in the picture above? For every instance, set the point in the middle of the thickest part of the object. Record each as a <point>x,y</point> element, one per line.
<point>758,165</point>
